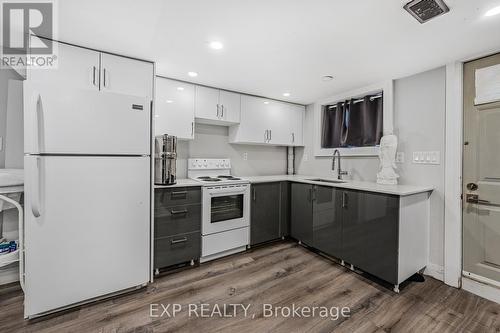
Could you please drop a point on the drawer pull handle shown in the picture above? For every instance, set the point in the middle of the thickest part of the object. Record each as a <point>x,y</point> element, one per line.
<point>177,241</point>
<point>176,194</point>
<point>177,212</point>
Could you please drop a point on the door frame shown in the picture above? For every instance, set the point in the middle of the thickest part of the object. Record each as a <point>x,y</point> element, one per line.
<point>453,219</point>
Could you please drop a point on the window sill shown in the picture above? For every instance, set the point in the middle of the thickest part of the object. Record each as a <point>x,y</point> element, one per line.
<point>357,151</point>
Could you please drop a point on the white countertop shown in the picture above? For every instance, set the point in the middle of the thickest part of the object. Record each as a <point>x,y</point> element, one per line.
<point>401,190</point>
<point>183,182</point>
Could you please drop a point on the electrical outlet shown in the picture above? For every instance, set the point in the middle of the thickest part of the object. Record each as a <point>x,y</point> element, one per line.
<point>400,157</point>
<point>245,156</point>
<point>427,157</point>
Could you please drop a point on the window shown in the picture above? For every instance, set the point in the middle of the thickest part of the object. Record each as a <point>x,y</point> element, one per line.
<point>357,122</point>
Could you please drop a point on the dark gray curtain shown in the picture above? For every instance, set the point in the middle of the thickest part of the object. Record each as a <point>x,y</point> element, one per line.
<point>334,126</point>
<point>353,123</point>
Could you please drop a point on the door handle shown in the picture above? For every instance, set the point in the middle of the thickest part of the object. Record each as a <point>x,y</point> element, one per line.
<point>35,202</point>
<point>177,241</point>
<point>94,69</point>
<point>344,200</point>
<point>474,198</point>
<point>104,77</point>
<point>178,212</point>
<point>218,110</point>
<point>472,186</point>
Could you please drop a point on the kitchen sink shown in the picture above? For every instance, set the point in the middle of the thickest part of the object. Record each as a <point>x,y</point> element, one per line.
<point>334,181</point>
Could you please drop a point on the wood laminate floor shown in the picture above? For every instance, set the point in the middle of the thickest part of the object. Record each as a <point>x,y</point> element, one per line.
<point>281,274</point>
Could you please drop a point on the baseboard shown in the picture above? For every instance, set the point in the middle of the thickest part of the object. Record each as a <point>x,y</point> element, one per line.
<point>9,274</point>
<point>436,271</point>
<point>481,289</point>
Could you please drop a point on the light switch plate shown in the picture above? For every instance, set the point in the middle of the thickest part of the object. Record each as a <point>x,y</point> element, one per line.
<point>427,157</point>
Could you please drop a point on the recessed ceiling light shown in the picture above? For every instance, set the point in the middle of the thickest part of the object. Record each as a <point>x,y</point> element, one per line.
<point>266,102</point>
<point>287,94</point>
<point>193,74</point>
<point>327,78</point>
<point>169,101</point>
<point>493,11</point>
<point>216,45</point>
<point>180,88</point>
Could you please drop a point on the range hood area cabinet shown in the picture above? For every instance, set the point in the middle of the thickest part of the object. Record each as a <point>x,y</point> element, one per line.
<point>381,234</point>
<point>174,108</point>
<point>270,122</point>
<point>217,107</point>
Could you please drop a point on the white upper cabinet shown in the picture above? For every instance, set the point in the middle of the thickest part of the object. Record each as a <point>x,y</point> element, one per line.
<point>126,76</point>
<point>78,68</point>
<point>270,122</point>
<point>174,108</point>
<point>230,105</point>
<point>218,107</point>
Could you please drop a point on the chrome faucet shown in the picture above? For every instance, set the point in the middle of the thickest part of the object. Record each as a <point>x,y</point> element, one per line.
<point>340,173</point>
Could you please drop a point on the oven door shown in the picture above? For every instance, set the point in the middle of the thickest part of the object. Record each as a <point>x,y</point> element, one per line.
<point>225,208</point>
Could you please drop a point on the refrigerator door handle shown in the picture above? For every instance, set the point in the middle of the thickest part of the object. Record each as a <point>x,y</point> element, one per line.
<point>38,134</point>
<point>35,203</point>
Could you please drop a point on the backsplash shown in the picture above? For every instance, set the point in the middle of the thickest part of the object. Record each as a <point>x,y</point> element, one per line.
<point>212,142</point>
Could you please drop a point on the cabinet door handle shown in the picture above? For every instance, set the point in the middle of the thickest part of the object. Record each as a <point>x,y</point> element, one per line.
<point>310,195</point>
<point>254,194</point>
<point>93,75</point>
<point>344,200</point>
<point>178,212</point>
<point>218,110</point>
<point>177,241</point>
<point>293,137</point>
<point>192,129</point>
<point>104,77</point>
<point>265,136</point>
<point>270,135</point>
<point>222,111</point>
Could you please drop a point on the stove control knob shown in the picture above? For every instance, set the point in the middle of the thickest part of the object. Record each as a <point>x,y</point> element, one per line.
<point>199,164</point>
<point>217,164</point>
<point>205,164</point>
<point>227,164</point>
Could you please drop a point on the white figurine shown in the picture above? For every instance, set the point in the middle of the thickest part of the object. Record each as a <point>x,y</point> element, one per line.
<point>388,147</point>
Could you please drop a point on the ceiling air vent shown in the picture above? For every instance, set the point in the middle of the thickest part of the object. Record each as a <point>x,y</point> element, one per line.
<point>425,10</point>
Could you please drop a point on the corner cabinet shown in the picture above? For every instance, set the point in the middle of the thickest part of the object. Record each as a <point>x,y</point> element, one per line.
<point>174,108</point>
<point>268,122</point>
<point>217,107</point>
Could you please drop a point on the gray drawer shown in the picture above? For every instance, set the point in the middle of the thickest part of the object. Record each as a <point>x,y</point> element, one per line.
<point>176,220</point>
<point>177,249</point>
<point>168,197</point>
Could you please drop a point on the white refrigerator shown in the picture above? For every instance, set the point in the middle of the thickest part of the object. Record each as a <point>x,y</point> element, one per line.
<point>87,193</point>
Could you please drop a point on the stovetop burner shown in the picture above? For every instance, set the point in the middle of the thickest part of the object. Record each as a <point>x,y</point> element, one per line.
<point>209,179</point>
<point>229,177</point>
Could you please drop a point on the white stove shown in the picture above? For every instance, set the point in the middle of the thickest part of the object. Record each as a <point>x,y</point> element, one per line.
<point>210,171</point>
<point>225,225</point>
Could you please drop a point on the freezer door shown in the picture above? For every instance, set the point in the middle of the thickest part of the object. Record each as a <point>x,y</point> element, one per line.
<point>77,121</point>
<point>87,230</point>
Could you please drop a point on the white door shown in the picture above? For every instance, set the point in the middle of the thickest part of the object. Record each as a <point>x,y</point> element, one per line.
<point>87,228</point>
<point>207,103</point>
<point>298,112</point>
<point>174,108</point>
<point>126,76</point>
<point>77,121</point>
<point>254,121</point>
<point>230,106</point>
<point>78,68</point>
<point>481,179</point>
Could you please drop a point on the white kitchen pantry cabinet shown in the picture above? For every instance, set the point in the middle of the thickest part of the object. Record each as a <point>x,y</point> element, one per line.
<point>268,122</point>
<point>174,108</point>
<point>217,107</point>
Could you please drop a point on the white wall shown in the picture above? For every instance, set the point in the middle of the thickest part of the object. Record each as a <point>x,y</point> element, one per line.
<point>212,142</point>
<point>419,122</point>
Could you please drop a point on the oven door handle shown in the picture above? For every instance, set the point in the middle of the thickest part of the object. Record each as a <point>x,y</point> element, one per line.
<point>228,191</point>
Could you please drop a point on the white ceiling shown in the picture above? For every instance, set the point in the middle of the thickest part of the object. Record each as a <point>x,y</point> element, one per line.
<point>273,46</point>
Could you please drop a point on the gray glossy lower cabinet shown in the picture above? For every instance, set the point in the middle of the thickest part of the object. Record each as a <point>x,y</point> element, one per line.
<point>269,212</point>
<point>301,211</point>
<point>327,220</point>
<point>370,233</point>
<point>177,226</point>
